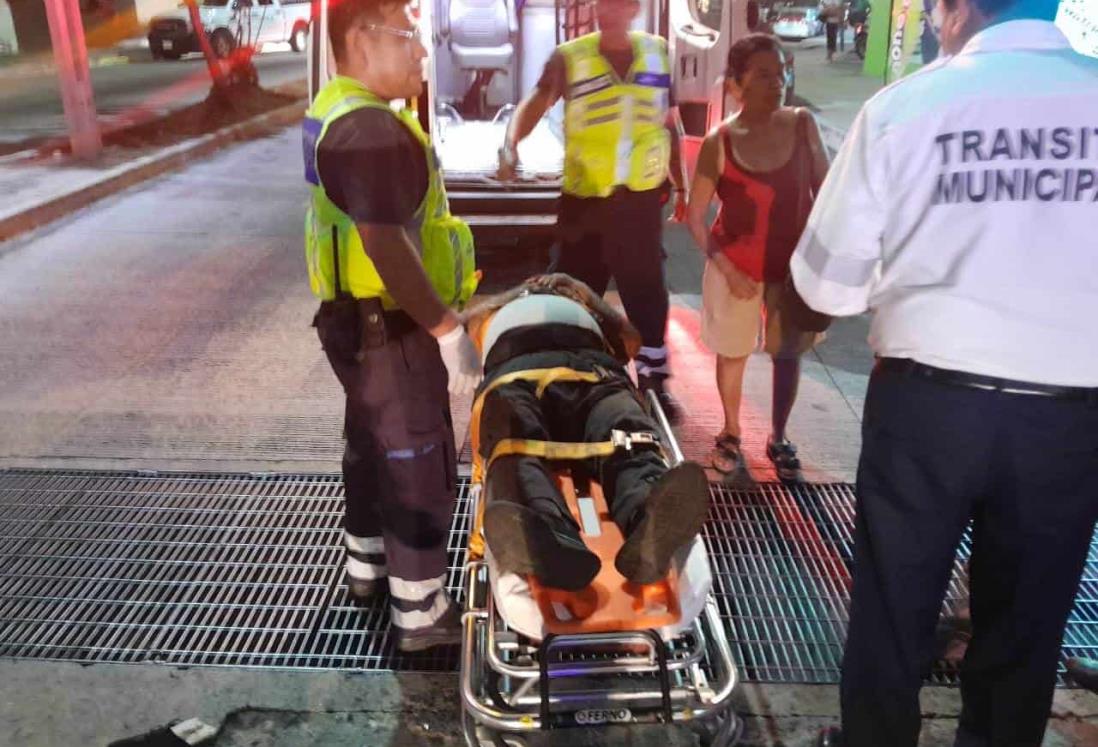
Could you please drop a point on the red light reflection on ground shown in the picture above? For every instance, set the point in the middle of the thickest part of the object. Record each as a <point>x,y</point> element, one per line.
<point>695,385</point>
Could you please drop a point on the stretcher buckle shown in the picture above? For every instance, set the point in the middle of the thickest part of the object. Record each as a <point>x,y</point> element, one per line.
<point>624,440</point>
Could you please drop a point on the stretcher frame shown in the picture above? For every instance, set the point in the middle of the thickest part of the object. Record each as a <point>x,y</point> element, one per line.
<point>513,687</point>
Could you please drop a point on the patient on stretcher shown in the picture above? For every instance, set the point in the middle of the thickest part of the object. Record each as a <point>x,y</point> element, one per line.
<point>557,322</point>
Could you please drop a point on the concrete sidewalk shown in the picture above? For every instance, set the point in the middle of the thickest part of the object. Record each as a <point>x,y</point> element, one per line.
<point>42,187</point>
<point>48,704</point>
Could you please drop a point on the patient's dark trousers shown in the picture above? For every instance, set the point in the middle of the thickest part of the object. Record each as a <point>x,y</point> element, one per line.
<point>566,411</point>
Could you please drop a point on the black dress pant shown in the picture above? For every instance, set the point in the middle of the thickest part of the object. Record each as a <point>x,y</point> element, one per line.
<point>936,456</point>
<point>570,412</point>
<point>619,237</point>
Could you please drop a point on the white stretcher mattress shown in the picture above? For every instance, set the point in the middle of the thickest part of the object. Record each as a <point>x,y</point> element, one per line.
<point>522,614</point>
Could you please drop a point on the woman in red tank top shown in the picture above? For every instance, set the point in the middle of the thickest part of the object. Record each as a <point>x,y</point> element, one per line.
<point>764,164</point>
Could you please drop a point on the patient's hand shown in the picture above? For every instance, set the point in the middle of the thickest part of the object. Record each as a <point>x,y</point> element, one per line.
<point>563,285</point>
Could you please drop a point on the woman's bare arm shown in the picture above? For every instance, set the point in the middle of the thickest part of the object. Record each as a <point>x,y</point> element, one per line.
<point>703,189</point>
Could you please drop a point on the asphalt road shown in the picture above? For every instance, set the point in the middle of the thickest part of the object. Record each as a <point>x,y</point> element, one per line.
<point>30,106</point>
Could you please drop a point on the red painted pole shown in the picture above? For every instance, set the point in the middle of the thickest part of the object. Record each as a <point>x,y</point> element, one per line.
<point>70,53</point>
<point>212,63</point>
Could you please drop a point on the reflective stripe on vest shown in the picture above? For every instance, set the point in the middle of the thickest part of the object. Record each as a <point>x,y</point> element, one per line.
<point>443,241</point>
<point>615,133</point>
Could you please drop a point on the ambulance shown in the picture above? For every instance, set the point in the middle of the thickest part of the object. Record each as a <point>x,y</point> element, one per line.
<point>487,55</point>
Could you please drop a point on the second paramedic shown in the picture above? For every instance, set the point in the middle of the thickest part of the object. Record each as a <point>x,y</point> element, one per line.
<point>390,266</point>
<point>616,86</point>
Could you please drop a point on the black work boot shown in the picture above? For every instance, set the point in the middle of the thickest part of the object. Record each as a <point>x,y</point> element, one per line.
<point>658,384</point>
<point>446,631</point>
<point>672,515</point>
<point>525,541</point>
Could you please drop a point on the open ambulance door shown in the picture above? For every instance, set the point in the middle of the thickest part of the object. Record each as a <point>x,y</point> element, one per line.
<point>486,55</point>
<point>700,32</point>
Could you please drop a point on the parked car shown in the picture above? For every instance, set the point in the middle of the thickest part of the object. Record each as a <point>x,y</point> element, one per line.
<point>796,22</point>
<point>229,23</point>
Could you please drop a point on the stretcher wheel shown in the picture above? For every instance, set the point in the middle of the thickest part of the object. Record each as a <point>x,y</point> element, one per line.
<point>725,731</point>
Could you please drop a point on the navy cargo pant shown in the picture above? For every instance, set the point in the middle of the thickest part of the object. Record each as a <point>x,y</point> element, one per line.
<point>571,412</point>
<point>621,237</point>
<point>398,464</point>
<point>935,456</point>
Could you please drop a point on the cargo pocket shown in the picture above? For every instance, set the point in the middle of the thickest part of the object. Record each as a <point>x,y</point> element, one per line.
<point>339,328</point>
<point>420,382</point>
<point>422,499</point>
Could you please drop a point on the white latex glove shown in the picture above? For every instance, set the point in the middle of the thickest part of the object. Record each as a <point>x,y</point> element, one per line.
<point>462,360</point>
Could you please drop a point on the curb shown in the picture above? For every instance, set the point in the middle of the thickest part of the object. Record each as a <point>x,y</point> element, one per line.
<point>142,169</point>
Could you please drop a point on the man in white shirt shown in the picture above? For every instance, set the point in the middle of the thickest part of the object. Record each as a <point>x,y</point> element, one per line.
<point>963,212</point>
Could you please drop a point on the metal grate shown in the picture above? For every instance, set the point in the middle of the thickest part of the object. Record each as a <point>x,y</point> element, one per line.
<point>245,570</point>
<point>189,569</point>
<point>782,562</point>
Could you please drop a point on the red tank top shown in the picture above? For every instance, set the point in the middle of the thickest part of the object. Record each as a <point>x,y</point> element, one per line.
<point>762,213</point>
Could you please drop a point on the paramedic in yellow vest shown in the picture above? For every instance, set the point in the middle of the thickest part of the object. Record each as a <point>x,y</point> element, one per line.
<point>616,86</point>
<point>391,267</point>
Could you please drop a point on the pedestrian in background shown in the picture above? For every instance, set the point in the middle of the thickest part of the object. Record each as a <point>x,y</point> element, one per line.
<point>961,211</point>
<point>764,164</point>
<point>389,265</point>
<point>832,14</point>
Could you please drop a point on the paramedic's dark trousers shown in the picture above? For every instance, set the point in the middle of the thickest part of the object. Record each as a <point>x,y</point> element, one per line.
<point>398,465</point>
<point>621,237</point>
<point>571,412</point>
<point>1023,468</point>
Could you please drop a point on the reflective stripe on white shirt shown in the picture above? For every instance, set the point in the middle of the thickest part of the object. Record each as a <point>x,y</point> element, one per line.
<point>962,210</point>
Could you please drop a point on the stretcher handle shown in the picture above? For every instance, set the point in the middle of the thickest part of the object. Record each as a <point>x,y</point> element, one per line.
<point>651,637</point>
<point>665,425</point>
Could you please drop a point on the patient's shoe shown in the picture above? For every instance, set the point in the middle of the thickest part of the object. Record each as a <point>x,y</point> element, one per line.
<point>673,514</point>
<point>524,541</point>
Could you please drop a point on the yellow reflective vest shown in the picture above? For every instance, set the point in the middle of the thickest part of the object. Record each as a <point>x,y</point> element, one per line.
<point>444,242</point>
<point>615,133</point>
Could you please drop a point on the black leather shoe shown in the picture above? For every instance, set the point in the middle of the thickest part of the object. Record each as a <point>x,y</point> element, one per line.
<point>1084,672</point>
<point>832,736</point>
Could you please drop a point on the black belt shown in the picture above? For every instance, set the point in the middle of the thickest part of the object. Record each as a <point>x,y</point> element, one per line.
<point>376,324</point>
<point>908,367</point>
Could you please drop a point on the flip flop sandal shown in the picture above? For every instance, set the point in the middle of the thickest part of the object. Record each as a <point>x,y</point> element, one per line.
<point>727,457</point>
